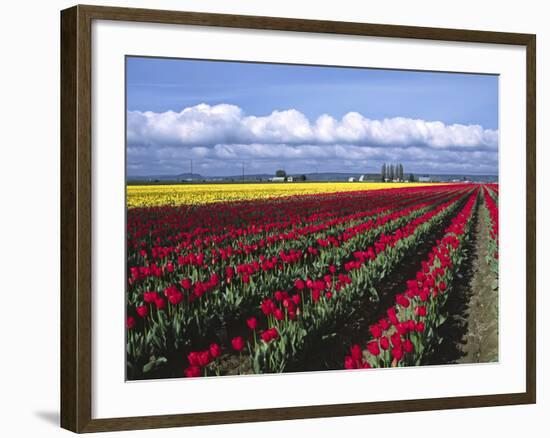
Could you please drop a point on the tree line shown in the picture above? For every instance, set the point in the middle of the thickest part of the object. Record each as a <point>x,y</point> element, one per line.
<point>390,172</point>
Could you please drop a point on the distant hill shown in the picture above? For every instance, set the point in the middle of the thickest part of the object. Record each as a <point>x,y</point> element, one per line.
<point>321,176</point>
<point>180,177</point>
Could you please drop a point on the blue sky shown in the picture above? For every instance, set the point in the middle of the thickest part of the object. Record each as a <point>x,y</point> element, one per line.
<point>306,117</point>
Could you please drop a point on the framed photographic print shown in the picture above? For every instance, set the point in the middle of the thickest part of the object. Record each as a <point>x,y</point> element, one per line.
<point>268,218</point>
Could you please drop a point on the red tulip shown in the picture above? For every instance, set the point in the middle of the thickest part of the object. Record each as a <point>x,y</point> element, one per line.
<point>267,306</point>
<point>142,311</point>
<point>396,339</point>
<point>384,343</point>
<point>384,324</point>
<point>373,348</point>
<point>397,353</point>
<point>393,315</point>
<point>266,336</point>
<point>403,301</point>
<point>274,333</point>
<point>193,358</point>
<point>356,352</point>
<point>215,350</point>
<point>252,323</point>
<point>375,330</point>
<point>204,358</point>
<point>192,371</point>
<point>150,297</point>
<point>160,303</point>
<point>402,328</point>
<point>278,314</point>
<point>270,334</point>
<point>175,298</point>
<point>186,283</point>
<point>349,363</point>
<point>408,346</point>
<point>420,310</point>
<point>237,343</point>
<point>130,322</point>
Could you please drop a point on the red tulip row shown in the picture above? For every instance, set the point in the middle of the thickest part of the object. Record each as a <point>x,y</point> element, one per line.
<point>408,332</point>
<point>185,224</point>
<point>299,303</point>
<point>493,189</point>
<point>307,277</point>
<point>270,243</point>
<point>189,310</point>
<point>490,213</point>
<point>303,314</point>
<point>307,248</point>
<point>162,324</point>
<point>242,275</point>
<point>185,259</point>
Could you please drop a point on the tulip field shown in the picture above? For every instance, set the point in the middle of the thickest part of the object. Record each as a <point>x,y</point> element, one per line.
<point>162,195</point>
<point>270,278</point>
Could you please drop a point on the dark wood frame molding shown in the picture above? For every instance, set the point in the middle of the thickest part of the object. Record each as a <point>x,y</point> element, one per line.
<point>76,177</point>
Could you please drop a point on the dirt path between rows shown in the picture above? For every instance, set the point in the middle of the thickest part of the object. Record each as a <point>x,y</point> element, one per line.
<point>481,340</point>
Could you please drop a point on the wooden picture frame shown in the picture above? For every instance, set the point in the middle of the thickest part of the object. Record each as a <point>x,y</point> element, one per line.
<point>76,217</point>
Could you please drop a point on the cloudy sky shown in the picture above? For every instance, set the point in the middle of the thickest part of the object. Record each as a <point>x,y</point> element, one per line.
<point>306,119</point>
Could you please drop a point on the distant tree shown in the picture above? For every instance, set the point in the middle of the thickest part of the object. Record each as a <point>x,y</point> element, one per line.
<point>392,172</point>
<point>383,172</point>
<point>280,173</point>
<point>411,178</point>
<point>400,171</point>
<point>302,178</point>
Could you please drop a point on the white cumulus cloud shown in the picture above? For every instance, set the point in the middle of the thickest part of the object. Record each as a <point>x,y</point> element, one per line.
<point>205,125</point>
<point>158,142</point>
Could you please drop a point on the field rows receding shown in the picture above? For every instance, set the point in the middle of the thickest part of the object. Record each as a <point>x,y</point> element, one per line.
<point>192,194</point>
<point>272,285</point>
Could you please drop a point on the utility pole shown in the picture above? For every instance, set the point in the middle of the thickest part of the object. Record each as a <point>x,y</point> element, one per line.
<point>243,171</point>
<point>191,175</point>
